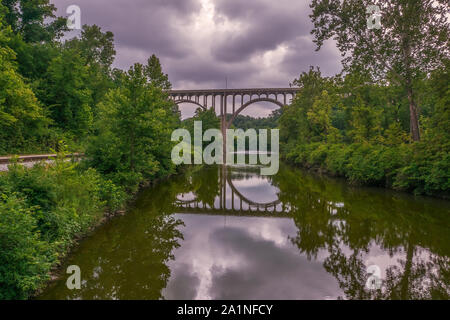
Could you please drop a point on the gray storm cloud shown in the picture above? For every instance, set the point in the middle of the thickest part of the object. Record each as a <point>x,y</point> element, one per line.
<point>266,25</point>
<point>252,43</point>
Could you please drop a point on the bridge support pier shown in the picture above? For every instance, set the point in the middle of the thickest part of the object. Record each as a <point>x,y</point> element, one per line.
<point>224,126</point>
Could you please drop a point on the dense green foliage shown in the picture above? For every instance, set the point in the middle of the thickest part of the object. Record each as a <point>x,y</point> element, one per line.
<point>395,77</point>
<point>57,93</point>
<point>42,210</point>
<point>248,122</point>
<point>22,117</point>
<point>412,40</point>
<point>50,89</point>
<point>208,118</point>
<point>359,130</point>
<point>134,126</point>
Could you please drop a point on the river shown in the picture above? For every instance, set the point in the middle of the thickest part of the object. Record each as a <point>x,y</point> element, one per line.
<point>230,233</point>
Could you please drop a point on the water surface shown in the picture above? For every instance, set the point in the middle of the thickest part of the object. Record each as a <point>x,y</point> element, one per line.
<point>229,233</point>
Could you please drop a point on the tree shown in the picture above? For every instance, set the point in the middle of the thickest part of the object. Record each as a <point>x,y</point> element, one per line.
<point>319,115</point>
<point>21,116</point>
<point>67,94</point>
<point>95,46</point>
<point>134,129</point>
<point>155,75</point>
<point>34,20</point>
<point>34,31</point>
<point>294,123</point>
<point>413,40</point>
<point>23,254</point>
<point>97,50</point>
<point>365,122</point>
<point>208,118</point>
<point>245,122</point>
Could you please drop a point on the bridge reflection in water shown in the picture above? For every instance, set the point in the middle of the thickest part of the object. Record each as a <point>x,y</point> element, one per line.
<point>229,233</point>
<point>231,200</point>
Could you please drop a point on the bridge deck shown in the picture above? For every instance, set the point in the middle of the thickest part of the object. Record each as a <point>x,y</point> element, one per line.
<point>231,212</point>
<point>233,91</point>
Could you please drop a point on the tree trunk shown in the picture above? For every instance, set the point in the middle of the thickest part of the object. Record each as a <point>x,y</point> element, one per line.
<point>413,120</point>
<point>132,151</point>
<point>405,285</point>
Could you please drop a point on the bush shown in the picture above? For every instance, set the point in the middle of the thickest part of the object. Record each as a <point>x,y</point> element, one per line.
<point>338,158</point>
<point>425,172</point>
<point>316,154</point>
<point>42,210</point>
<point>409,167</point>
<point>375,164</point>
<point>114,196</point>
<point>132,144</point>
<point>25,258</point>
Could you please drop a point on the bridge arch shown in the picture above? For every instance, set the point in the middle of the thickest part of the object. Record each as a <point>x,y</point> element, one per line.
<point>226,181</point>
<point>248,103</point>
<point>190,101</point>
<point>247,200</point>
<point>193,96</point>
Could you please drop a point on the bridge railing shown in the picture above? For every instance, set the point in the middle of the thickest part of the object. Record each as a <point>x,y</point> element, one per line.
<point>36,157</point>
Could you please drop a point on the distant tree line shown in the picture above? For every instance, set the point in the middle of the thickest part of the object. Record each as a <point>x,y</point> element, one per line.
<point>247,122</point>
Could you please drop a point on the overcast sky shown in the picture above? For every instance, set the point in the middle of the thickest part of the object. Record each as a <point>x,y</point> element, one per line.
<point>252,43</point>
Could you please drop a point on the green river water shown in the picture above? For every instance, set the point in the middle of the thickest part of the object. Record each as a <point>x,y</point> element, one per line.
<point>230,233</point>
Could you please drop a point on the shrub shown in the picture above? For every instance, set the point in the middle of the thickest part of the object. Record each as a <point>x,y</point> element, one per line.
<point>25,258</point>
<point>425,172</point>
<point>317,154</point>
<point>375,164</point>
<point>42,210</point>
<point>338,158</point>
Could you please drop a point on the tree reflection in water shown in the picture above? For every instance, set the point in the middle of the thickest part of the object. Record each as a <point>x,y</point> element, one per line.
<point>127,258</point>
<point>340,227</point>
<point>348,222</point>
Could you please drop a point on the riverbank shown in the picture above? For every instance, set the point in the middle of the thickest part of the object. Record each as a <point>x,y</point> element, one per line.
<point>45,211</point>
<point>56,270</point>
<point>411,168</point>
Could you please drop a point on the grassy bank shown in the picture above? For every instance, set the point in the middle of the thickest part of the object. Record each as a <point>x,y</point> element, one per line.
<point>43,210</point>
<point>406,167</point>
